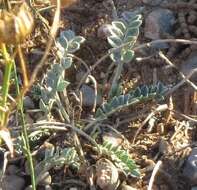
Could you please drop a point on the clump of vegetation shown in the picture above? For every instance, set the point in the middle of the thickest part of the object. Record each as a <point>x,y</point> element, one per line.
<point>65,137</point>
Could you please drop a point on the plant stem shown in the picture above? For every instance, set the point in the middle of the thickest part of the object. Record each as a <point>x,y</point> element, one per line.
<point>62,110</point>
<point>7,5</point>
<point>116,77</point>
<point>23,66</point>
<point>6,82</point>
<point>25,138</point>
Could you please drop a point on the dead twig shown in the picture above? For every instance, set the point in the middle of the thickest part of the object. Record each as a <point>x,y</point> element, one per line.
<point>63,127</point>
<point>182,82</point>
<point>154,173</point>
<point>158,109</point>
<point>174,66</point>
<point>184,116</point>
<point>78,144</point>
<point>80,60</point>
<point>149,44</point>
<point>180,128</point>
<point>168,177</point>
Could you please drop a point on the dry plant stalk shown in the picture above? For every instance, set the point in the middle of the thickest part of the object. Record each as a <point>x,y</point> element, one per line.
<point>15,25</point>
<point>64,3</point>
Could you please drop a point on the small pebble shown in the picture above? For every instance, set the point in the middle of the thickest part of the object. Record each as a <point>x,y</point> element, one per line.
<point>28,187</point>
<point>159,22</point>
<point>88,96</point>
<point>28,103</point>
<point>28,119</point>
<point>45,179</point>
<point>164,147</point>
<point>107,176</point>
<point>113,138</point>
<point>102,75</point>
<point>48,187</point>
<point>190,169</point>
<point>12,170</point>
<point>12,182</point>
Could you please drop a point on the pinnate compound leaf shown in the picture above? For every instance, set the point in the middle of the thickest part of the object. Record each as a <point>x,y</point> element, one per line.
<point>123,37</point>
<point>62,43</point>
<point>145,91</point>
<point>121,158</point>
<point>140,94</point>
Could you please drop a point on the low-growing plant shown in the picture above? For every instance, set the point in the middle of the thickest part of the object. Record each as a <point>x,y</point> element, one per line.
<point>54,81</point>
<point>123,35</point>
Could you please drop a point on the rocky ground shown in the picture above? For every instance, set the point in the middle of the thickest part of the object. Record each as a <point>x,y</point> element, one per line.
<point>170,135</point>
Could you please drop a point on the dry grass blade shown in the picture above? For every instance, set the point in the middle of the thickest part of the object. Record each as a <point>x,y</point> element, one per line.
<point>64,3</point>
<point>5,135</point>
<point>156,169</point>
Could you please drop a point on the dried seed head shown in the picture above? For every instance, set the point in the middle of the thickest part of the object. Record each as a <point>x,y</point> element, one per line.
<point>15,25</point>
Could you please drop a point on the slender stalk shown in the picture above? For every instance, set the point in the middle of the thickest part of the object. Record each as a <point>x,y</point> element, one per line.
<point>23,66</point>
<point>7,4</point>
<point>116,77</point>
<point>61,108</point>
<point>6,82</point>
<point>25,138</point>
